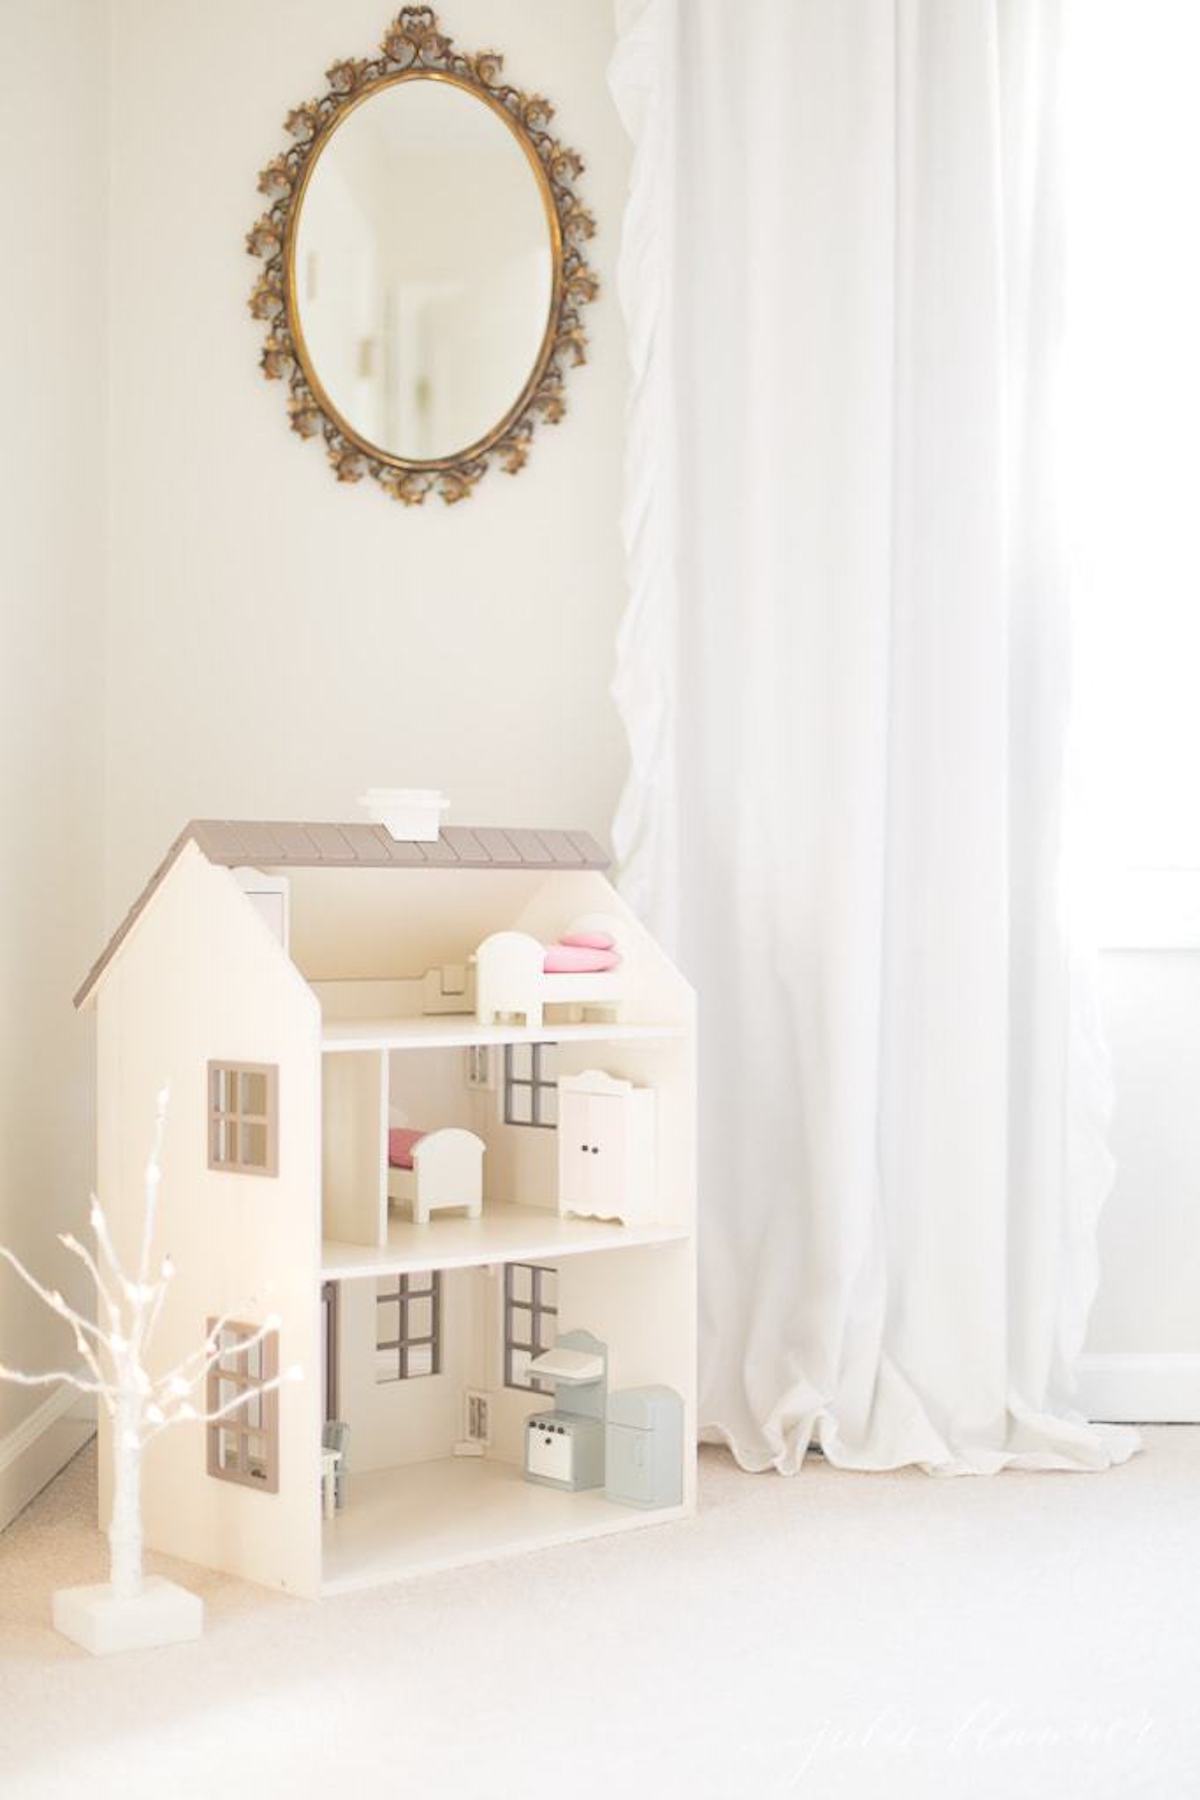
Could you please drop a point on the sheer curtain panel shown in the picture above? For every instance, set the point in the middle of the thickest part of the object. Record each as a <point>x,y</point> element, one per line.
<point>844,676</point>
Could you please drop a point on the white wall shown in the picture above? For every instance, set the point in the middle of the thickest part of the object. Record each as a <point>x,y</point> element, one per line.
<point>275,642</point>
<point>1149,1300</point>
<point>278,642</point>
<point>52,324</point>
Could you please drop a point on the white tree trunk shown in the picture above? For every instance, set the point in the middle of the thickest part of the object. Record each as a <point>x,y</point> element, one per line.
<point>125,1525</point>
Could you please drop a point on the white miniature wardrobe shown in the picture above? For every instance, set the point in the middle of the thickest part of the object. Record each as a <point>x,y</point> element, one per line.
<point>606,1161</point>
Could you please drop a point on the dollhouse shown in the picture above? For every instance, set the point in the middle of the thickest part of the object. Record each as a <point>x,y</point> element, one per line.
<point>432,1106</point>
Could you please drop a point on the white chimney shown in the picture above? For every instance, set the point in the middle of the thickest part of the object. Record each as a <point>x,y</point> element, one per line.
<point>414,814</point>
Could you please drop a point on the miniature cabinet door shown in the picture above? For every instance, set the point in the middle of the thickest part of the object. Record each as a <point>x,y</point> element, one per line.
<point>593,1131</point>
<point>575,1160</point>
<point>608,1155</point>
<point>606,1151</point>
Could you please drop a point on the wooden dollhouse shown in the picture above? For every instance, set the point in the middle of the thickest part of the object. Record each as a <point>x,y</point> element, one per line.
<point>432,1105</point>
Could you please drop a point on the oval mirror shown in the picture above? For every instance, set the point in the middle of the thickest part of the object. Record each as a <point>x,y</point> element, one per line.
<point>424,261</point>
<point>422,279</point>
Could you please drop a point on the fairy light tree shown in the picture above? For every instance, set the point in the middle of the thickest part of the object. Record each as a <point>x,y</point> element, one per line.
<point>114,1355</point>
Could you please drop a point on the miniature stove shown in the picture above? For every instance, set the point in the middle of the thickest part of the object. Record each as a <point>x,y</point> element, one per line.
<point>564,1448</point>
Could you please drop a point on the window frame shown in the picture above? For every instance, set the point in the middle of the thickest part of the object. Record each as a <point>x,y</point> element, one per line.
<point>537,1309</point>
<point>404,1342</point>
<point>240,1471</point>
<point>537,1083</point>
<point>220,1118</point>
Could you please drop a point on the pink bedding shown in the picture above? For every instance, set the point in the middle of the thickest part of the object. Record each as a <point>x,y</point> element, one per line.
<point>578,959</point>
<point>401,1143</point>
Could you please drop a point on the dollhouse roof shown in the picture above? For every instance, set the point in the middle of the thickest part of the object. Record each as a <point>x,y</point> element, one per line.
<point>283,844</point>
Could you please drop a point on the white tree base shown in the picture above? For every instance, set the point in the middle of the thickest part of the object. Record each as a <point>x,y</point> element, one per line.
<point>161,1613</point>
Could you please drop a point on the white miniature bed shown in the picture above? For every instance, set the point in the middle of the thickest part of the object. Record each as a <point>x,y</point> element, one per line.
<point>512,984</point>
<point>447,1170</point>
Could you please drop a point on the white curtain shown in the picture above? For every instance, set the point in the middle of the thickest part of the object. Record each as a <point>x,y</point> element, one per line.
<point>843,672</point>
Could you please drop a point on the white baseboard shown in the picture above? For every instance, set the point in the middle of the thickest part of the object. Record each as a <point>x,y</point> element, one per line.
<point>34,1451</point>
<point>1159,1388</point>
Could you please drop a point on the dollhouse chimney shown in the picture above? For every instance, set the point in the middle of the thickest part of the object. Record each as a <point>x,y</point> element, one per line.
<point>413,814</point>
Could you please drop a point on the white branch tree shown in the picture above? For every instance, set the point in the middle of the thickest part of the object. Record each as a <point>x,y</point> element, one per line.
<point>114,1358</point>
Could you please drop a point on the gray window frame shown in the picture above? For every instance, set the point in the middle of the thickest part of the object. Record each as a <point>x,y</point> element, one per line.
<point>404,1342</point>
<point>538,1084</point>
<point>228,1117</point>
<point>231,1370</point>
<point>535,1309</point>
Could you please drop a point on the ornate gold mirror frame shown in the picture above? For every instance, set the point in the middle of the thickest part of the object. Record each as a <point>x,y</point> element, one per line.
<point>414,48</point>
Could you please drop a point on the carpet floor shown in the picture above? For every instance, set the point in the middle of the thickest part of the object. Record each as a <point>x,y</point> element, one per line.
<point>831,1635</point>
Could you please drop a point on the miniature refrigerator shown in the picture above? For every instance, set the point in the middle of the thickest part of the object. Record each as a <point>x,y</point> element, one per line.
<point>644,1447</point>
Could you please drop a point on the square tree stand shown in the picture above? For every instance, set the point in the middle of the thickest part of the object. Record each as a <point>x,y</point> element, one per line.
<point>161,1613</point>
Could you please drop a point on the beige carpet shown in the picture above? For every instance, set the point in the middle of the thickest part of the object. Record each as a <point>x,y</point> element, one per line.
<point>1029,1635</point>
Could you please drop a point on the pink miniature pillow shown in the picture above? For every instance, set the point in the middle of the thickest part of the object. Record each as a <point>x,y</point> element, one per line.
<point>588,940</point>
<point>401,1144</point>
<point>575,959</point>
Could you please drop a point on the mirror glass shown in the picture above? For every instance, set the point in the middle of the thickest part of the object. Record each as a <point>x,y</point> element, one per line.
<point>423,269</point>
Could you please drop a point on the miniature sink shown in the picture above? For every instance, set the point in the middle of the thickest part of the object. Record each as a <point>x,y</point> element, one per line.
<point>570,1367</point>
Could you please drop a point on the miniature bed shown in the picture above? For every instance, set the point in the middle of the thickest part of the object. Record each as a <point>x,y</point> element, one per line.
<point>517,976</point>
<point>433,1170</point>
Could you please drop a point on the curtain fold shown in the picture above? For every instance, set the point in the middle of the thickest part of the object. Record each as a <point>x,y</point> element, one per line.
<point>844,677</point>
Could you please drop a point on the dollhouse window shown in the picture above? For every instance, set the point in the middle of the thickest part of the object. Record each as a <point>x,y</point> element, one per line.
<point>408,1327</point>
<point>530,1321</point>
<point>243,1118</point>
<point>244,1446</point>
<point>530,1085</point>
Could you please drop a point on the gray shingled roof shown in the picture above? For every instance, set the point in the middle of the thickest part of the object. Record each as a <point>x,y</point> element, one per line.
<point>282,844</point>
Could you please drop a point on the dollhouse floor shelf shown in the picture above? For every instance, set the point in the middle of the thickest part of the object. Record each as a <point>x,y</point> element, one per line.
<point>503,1234</point>
<point>455,1030</point>
<point>441,1515</point>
